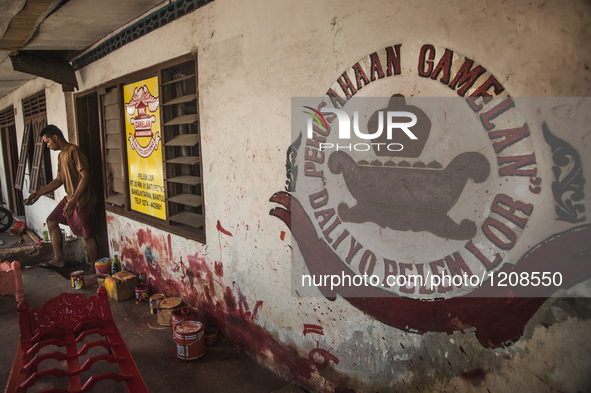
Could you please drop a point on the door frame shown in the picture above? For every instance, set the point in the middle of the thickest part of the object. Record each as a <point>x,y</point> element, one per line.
<point>10,154</point>
<point>89,136</point>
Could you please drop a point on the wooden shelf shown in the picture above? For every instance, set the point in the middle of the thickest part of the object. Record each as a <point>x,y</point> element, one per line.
<point>185,119</point>
<point>190,180</point>
<point>184,160</point>
<point>188,218</point>
<point>181,100</point>
<point>116,199</point>
<point>186,199</point>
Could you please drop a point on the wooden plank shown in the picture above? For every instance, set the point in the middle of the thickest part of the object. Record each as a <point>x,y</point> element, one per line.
<point>118,186</point>
<point>114,156</point>
<point>184,78</point>
<point>22,161</point>
<point>185,119</point>
<point>115,170</point>
<point>38,154</point>
<point>111,112</point>
<point>59,71</point>
<point>113,142</point>
<point>34,238</point>
<point>112,126</point>
<point>184,160</point>
<point>188,218</point>
<point>111,97</point>
<point>183,140</point>
<point>25,23</point>
<point>186,199</point>
<point>181,99</point>
<point>190,180</point>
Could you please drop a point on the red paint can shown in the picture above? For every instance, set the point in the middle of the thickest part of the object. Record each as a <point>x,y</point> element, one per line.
<point>141,292</point>
<point>184,314</point>
<point>103,266</point>
<point>190,344</point>
<point>211,336</point>
<point>77,279</point>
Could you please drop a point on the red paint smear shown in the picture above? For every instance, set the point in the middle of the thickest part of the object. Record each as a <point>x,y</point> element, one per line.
<point>219,269</point>
<point>255,312</point>
<point>498,320</point>
<point>282,235</point>
<point>222,230</point>
<point>169,247</point>
<point>326,356</point>
<point>199,268</point>
<point>142,235</point>
<point>216,301</point>
<point>230,300</point>
<point>242,302</point>
<point>136,262</point>
<point>253,339</point>
<point>312,328</point>
<point>238,327</point>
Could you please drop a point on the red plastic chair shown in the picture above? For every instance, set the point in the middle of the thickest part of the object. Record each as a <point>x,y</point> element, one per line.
<point>11,280</point>
<point>67,321</point>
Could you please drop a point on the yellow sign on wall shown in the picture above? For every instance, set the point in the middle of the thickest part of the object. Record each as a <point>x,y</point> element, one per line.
<point>144,152</point>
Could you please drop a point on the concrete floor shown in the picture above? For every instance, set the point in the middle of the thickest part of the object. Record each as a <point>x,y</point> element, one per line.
<point>221,369</point>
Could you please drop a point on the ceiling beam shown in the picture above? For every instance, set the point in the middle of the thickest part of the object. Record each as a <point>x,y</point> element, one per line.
<point>57,70</point>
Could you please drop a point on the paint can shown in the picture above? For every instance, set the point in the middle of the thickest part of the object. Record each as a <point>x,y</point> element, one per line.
<point>211,336</point>
<point>190,344</point>
<point>165,310</point>
<point>103,266</point>
<point>141,292</point>
<point>155,302</point>
<point>77,278</point>
<point>184,314</point>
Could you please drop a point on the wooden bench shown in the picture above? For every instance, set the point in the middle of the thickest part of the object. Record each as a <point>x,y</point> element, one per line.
<point>11,280</point>
<point>66,330</point>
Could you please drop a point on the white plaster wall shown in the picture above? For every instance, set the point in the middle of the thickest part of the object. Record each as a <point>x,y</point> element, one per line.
<point>253,57</point>
<point>56,114</point>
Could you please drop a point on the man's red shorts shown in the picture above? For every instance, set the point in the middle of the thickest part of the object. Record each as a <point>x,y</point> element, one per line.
<point>82,221</point>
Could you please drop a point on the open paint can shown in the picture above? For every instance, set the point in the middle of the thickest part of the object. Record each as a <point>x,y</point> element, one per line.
<point>165,310</point>
<point>155,302</point>
<point>103,266</point>
<point>190,344</point>
<point>184,314</point>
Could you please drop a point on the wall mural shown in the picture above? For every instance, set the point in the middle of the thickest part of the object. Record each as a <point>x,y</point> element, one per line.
<point>455,200</point>
<point>471,195</point>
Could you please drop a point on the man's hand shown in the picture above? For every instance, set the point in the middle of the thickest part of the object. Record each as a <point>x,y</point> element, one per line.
<point>32,199</point>
<point>69,209</point>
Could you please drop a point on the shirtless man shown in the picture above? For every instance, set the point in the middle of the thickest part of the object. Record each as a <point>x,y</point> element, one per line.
<point>77,209</point>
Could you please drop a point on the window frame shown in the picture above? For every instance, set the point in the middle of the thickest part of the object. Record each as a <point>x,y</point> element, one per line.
<point>125,209</point>
<point>34,152</point>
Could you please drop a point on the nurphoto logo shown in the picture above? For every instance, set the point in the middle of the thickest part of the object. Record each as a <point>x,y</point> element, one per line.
<point>402,120</point>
